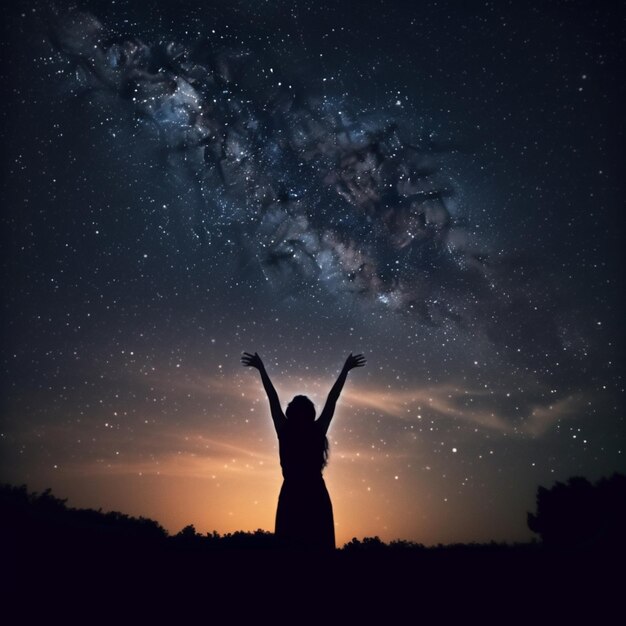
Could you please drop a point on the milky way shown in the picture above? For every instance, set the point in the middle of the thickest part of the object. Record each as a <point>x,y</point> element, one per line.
<point>319,194</point>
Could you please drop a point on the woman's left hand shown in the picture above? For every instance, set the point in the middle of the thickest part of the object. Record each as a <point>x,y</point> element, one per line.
<point>251,360</point>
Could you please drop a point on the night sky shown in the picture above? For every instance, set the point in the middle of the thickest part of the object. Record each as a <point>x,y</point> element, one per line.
<point>437,185</point>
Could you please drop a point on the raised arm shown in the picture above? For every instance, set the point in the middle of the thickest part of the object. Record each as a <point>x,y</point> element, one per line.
<point>254,360</point>
<point>329,408</point>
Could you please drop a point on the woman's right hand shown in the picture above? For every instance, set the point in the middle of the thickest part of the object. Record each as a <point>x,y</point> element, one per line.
<point>356,360</point>
<point>251,360</point>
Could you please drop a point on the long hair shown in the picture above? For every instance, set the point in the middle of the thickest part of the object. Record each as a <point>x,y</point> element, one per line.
<point>300,420</point>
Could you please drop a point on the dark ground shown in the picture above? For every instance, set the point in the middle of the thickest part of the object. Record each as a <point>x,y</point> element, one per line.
<point>87,566</point>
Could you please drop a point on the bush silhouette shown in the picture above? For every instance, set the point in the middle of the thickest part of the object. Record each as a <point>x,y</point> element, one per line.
<point>572,515</point>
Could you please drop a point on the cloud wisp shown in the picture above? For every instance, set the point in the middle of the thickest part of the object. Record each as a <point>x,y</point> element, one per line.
<point>447,401</point>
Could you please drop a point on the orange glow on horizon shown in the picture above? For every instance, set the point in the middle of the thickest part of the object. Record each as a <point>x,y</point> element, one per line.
<point>226,476</point>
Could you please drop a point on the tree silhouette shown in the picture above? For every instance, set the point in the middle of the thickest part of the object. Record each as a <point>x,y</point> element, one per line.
<point>578,514</point>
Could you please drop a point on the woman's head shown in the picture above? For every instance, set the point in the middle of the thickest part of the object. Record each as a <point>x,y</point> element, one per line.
<point>300,409</point>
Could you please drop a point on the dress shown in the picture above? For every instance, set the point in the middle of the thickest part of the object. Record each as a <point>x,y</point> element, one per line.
<point>304,517</point>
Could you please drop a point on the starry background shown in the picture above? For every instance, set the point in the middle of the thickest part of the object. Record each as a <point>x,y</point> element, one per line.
<point>436,185</point>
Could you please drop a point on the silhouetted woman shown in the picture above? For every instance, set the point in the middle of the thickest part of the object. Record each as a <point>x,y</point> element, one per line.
<point>304,518</point>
